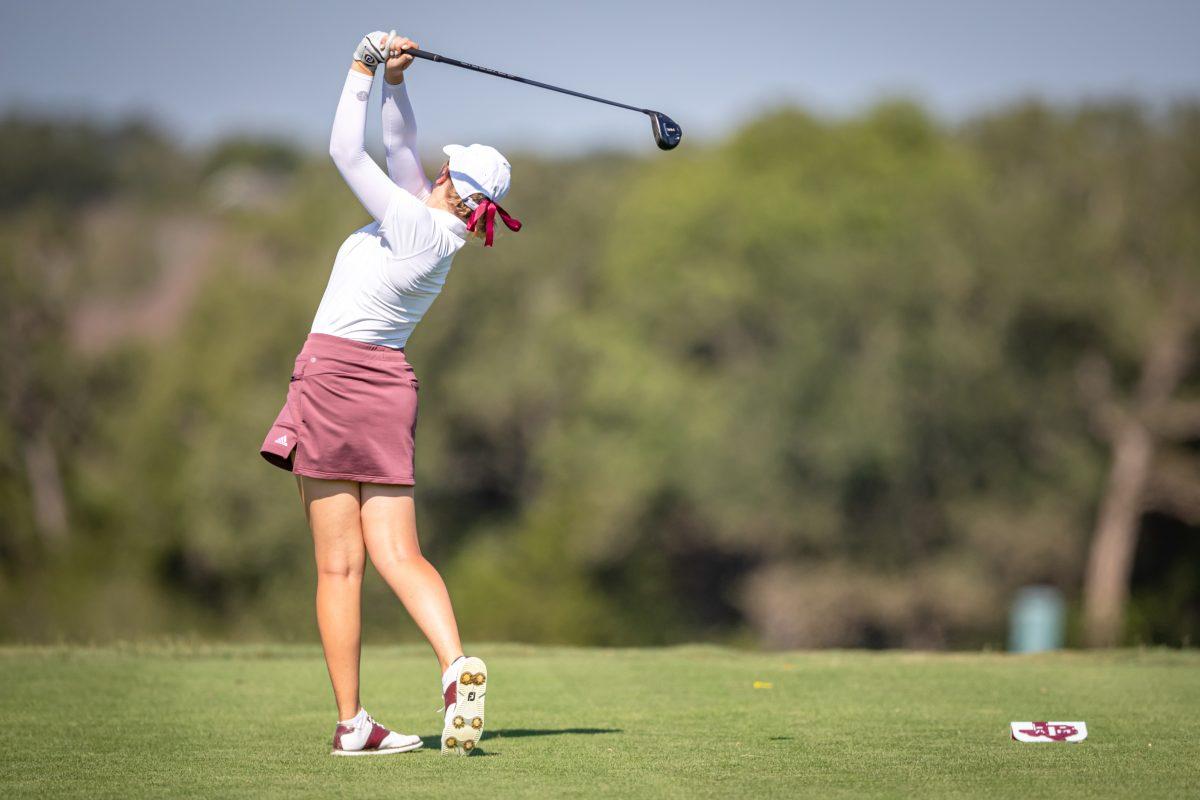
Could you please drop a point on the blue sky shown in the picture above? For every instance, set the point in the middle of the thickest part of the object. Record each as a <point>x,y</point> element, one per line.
<point>208,68</point>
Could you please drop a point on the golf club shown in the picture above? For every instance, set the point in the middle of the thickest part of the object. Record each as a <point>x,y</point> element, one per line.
<point>667,132</point>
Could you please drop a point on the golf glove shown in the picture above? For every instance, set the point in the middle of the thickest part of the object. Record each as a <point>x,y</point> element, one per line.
<point>370,49</point>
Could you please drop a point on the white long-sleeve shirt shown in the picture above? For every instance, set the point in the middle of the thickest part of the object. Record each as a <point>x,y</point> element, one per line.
<point>388,273</point>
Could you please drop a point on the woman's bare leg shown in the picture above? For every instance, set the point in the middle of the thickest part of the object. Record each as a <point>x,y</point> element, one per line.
<point>333,514</point>
<point>389,525</point>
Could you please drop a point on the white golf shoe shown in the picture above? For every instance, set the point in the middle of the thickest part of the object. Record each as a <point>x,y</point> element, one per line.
<point>463,686</point>
<point>363,736</point>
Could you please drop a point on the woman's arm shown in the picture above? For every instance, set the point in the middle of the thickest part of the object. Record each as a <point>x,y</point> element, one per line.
<point>400,124</point>
<point>364,177</point>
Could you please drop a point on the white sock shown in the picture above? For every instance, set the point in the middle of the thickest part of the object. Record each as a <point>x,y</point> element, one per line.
<point>448,677</point>
<point>362,712</point>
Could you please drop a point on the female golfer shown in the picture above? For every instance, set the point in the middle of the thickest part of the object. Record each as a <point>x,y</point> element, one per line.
<point>348,425</point>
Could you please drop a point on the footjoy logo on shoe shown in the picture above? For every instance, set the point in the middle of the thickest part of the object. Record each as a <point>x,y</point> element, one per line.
<point>1049,731</point>
<point>282,440</point>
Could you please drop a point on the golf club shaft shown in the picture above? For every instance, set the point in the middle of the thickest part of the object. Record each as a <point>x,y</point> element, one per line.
<point>412,51</point>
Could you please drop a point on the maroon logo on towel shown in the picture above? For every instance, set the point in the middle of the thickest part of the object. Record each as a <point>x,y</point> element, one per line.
<point>1056,732</point>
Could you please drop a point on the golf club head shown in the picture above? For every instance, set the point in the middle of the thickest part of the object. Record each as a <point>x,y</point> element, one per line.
<point>666,132</point>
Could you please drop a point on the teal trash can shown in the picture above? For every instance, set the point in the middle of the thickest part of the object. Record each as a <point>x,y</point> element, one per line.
<point>1037,620</point>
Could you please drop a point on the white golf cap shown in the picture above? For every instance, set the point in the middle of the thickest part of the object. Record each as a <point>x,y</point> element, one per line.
<point>478,168</point>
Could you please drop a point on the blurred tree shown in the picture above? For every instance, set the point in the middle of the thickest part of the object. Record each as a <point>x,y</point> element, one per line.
<point>1123,197</point>
<point>825,383</point>
<point>33,305</point>
<point>268,155</point>
<point>50,171</point>
<point>821,349</point>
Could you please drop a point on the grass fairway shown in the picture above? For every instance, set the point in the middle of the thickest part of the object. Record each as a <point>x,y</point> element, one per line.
<point>255,721</point>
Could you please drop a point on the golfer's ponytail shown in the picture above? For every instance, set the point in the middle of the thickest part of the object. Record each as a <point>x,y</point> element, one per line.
<point>462,210</point>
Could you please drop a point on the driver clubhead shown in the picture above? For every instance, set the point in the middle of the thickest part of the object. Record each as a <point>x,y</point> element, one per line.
<point>666,132</point>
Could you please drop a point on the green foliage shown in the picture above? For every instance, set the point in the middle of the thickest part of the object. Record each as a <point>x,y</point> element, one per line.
<point>814,385</point>
<point>67,164</point>
<point>245,151</point>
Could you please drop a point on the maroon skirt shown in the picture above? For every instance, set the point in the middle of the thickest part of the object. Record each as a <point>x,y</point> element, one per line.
<point>350,414</point>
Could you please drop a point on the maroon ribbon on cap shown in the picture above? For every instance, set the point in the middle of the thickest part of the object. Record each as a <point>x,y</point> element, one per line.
<point>486,211</point>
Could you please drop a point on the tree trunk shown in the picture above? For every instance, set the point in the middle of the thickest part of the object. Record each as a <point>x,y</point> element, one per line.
<point>1110,562</point>
<point>45,484</point>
